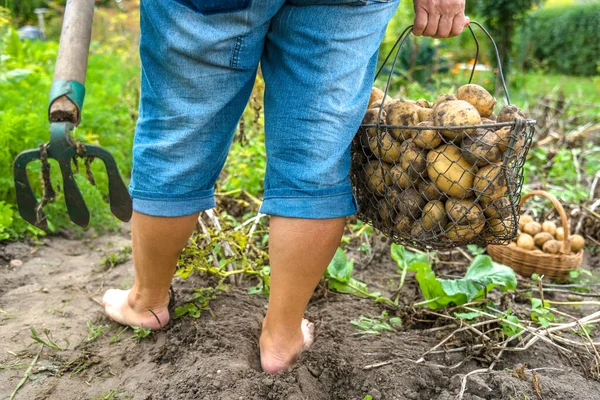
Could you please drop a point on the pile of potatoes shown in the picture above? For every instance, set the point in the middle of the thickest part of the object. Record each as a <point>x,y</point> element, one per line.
<point>545,237</point>
<point>441,184</point>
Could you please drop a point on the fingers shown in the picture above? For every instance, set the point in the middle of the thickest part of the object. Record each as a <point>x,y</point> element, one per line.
<point>458,24</point>
<point>444,27</point>
<point>439,19</point>
<point>420,23</point>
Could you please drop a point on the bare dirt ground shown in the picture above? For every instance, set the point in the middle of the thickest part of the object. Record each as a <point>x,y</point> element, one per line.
<point>58,286</point>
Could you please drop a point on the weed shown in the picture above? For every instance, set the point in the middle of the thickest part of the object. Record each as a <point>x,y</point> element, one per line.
<point>118,258</point>
<point>81,363</point>
<point>376,325</point>
<point>94,331</point>
<point>540,312</point>
<point>49,342</point>
<point>140,334</point>
<point>117,336</point>
<point>199,301</point>
<point>339,277</point>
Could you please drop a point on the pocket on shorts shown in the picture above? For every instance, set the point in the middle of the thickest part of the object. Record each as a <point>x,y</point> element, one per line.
<point>208,7</point>
<point>336,2</point>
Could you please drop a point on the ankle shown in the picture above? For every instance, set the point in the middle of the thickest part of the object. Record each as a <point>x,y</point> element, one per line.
<point>142,300</point>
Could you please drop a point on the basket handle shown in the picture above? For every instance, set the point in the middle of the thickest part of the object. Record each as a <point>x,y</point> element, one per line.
<point>566,248</point>
<point>404,36</point>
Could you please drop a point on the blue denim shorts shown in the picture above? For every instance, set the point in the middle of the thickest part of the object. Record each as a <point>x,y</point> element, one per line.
<point>199,63</point>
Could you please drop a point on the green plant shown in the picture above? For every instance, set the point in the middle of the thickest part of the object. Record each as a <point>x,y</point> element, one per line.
<point>140,334</point>
<point>199,301</point>
<point>94,331</point>
<point>117,336</point>
<point>376,325</point>
<point>540,312</point>
<point>118,258</point>
<point>264,284</point>
<point>339,277</point>
<point>6,220</point>
<point>48,342</point>
<point>482,275</point>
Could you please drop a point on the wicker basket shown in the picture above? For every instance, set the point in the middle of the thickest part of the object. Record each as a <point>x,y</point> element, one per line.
<point>527,262</point>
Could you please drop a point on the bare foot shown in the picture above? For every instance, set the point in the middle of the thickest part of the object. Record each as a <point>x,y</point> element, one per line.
<point>278,353</point>
<point>120,308</point>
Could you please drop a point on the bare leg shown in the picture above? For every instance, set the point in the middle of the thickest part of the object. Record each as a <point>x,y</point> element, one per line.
<point>300,251</point>
<point>157,242</point>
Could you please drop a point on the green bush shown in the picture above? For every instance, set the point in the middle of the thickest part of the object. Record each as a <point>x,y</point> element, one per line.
<point>563,39</point>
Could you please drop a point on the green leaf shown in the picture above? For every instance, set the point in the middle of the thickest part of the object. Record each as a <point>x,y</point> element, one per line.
<point>482,274</point>
<point>467,315</point>
<point>509,329</point>
<point>340,267</point>
<point>406,258</point>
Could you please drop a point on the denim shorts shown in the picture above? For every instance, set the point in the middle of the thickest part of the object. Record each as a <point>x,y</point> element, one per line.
<point>199,63</point>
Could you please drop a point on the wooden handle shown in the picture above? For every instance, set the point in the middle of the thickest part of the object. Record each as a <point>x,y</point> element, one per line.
<point>72,59</point>
<point>566,248</point>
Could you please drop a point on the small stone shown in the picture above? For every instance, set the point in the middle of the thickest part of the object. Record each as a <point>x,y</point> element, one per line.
<point>218,371</point>
<point>16,263</point>
<point>45,290</point>
<point>216,384</point>
<point>267,381</point>
<point>375,394</point>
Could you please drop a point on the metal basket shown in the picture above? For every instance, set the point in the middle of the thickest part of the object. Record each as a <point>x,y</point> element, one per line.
<point>400,174</point>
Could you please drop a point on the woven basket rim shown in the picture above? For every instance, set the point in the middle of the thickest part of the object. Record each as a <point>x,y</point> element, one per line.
<point>530,253</point>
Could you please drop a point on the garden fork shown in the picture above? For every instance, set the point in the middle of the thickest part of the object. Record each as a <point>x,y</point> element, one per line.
<point>64,113</point>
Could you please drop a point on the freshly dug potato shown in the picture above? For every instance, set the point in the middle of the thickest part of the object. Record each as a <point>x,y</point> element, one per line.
<point>418,231</point>
<point>385,147</point>
<point>393,197</point>
<point>560,233</point>
<point>485,121</point>
<point>525,241</point>
<point>490,183</point>
<point>577,243</point>
<point>434,216</point>
<point>505,136</point>
<point>403,224</point>
<point>386,213</point>
<point>401,178</point>
<point>550,227</point>
<point>552,246</point>
<point>402,113</point>
<point>542,238</point>
<point>493,117</point>
<point>480,98</point>
<point>388,101</point>
<point>510,112</point>
<point>428,138</point>
<point>456,113</point>
<point>532,228</point>
<point>412,159</point>
<point>498,229</point>
<point>481,148</point>
<point>523,219</point>
<point>410,203</point>
<point>370,118</point>
<point>424,103</point>
<point>376,94</point>
<point>462,233</point>
<point>443,98</point>
<point>450,171</point>
<point>377,177</point>
<point>425,114</point>
<point>463,212</point>
<point>500,208</point>
<point>429,191</point>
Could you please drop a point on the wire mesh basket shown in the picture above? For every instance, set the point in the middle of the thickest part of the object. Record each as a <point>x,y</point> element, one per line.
<point>444,174</point>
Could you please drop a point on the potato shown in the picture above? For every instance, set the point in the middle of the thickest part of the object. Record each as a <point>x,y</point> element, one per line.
<point>505,136</point>
<point>376,94</point>
<point>532,228</point>
<point>449,171</point>
<point>385,147</point>
<point>430,192</point>
<point>410,203</point>
<point>463,212</point>
<point>377,177</point>
<point>418,231</point>
<point>456,113</point>
<point>370,118</point>
<point>425,114</point>
<point>510,112</point>
<point>525,241</point>
<point>498,229</point>
<point>523,219</point>
<point>477,96</point>
<point>493,117</point>
<point>577,243</point>
<point>485,121</point>
<point>388,101</point>
<point>481,148</point>
<point>403,224</point>
<point>434,216</point>
<point>393,197</point>
<point>463,233</point>
<point>401,178</point>
<point>443,98</point>
<point>386,213</point>
<point>550,227</point>
<point>428,138</point>
<point>552,246</point>
<point>500,208</point>
<point>541,238</point>
<point>412,159</point>
<point>405,114</point>
<point>490,183</point>
<point>424,103</point>
<point>560,233</point>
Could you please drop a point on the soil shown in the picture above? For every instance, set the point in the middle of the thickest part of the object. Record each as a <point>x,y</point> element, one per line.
<point>58,285</point>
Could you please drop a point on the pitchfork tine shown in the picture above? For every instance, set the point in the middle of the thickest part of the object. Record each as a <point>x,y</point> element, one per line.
<point>26,200</point>
<point>78,211</point>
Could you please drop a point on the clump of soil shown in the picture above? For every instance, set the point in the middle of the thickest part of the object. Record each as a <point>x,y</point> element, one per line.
<point>216,355</point>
